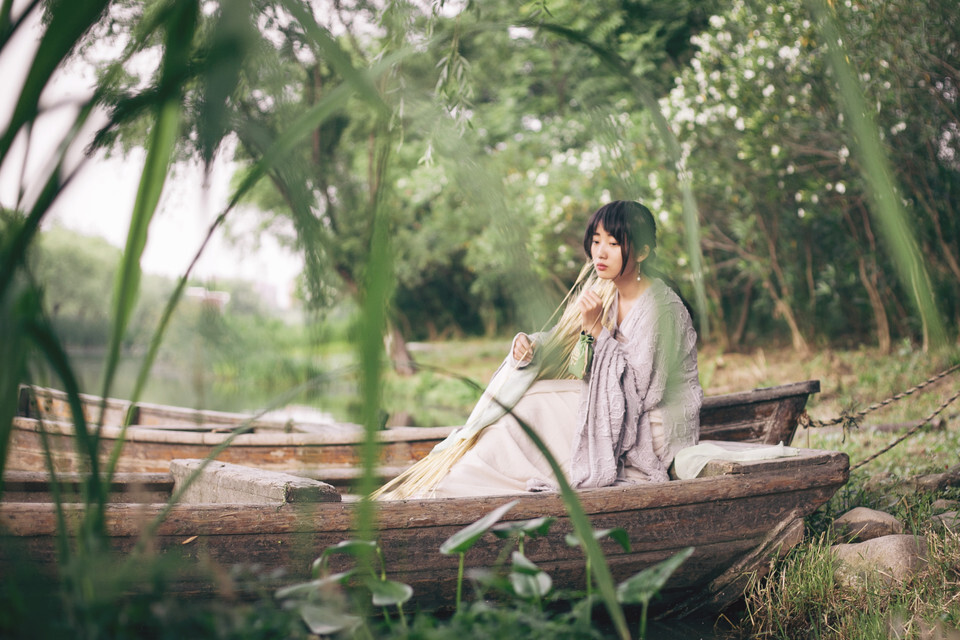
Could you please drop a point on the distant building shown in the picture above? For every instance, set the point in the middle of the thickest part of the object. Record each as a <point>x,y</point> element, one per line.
<point>213,299</point>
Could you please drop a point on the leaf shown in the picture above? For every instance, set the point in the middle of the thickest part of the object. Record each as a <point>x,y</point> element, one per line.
<point>387,592</point>
<point>303,589</point>
<point>355,548</point>
<point>527,579</point>
<point>646,584</point>
<point>68,22</point>
<point>523,564</point>
<point>325,619</point>
<point>467,537</point>
<point>619,534</point>
<point>530,528</point>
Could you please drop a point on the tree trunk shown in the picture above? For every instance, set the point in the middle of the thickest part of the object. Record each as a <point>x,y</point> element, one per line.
<point>741,327</point>
<point>781,302</point>
<point>398,352</point>
<point>785,311</point>
<point>876,302</point>
<point>719,321</point>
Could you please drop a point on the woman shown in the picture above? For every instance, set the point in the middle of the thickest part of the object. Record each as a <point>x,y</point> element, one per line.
<point>636,406</point>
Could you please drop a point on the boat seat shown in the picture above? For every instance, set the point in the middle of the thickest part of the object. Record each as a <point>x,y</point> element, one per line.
<point>225,483</point>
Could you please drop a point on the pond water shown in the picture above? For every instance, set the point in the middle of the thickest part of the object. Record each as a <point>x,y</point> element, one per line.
<point>168,385</point>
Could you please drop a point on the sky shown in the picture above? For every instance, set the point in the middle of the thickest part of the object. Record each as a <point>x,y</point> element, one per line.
<point>100,199</point>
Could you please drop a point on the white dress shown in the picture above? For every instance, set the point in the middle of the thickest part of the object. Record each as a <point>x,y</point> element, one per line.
<point>661,406</point>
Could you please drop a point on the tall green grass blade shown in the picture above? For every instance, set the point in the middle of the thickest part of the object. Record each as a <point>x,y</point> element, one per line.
<point>880,181</point>
<point>68,23</point>
<point>94,490</point>
<point>180,29</point>
<point>16,308</point>
<point>7,25</point>
<point>14,248</point>
<point>584,531</point>
<point>378,282</point>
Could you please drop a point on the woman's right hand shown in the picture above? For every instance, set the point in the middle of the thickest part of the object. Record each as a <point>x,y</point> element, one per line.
<point>591,310</point>
<point>522,348</point>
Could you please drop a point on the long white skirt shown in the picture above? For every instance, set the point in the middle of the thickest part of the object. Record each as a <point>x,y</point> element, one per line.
<point>505,461</point>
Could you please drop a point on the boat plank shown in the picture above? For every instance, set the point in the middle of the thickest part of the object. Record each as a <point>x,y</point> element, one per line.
<point>221,482</point>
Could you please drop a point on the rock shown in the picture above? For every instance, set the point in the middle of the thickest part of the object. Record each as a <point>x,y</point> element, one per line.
<point>938,481</point>
<point>866,524</point>
<point>949,521</point>
<point>941,505</point>
<point>896,558</point>
<point>878,481</point>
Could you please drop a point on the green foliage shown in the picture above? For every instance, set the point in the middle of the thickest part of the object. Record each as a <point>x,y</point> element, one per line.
<point>787,220</point>
<point>642,587</point>
<point>460,542</point>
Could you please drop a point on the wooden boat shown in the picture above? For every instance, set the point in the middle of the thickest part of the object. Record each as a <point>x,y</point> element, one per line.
<point>736,516</point>
<point>331,453</point>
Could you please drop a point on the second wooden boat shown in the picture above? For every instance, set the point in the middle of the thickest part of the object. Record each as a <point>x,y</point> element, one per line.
<point>332,453</point>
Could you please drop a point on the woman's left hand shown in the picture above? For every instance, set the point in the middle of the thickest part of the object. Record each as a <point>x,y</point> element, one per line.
<point>591,310</point>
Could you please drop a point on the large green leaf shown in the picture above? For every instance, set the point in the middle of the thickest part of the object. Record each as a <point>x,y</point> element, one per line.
<point>355,548</point>
<point>304,589</point>
<point>531,528</point>
<point>462,540</point>
<point>641,587</point>
<point>327,619</point>
<point>619,534</point>
<point>527,579</point>
<point>387,593</point>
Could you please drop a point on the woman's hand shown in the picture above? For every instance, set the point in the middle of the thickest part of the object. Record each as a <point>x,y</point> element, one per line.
<point>591,310</point>
<point>522,348</point>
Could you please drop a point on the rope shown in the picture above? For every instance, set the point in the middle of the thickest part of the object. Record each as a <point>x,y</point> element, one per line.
<point>852,420</point>
<point>909,433</point>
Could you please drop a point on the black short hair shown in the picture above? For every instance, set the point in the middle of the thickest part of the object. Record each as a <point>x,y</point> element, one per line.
<point>630,223</point>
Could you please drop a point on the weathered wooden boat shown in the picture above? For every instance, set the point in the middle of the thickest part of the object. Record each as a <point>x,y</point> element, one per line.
<point>765,416</point>
<point>736,515</point>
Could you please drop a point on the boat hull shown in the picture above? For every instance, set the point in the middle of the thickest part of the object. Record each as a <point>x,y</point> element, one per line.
<point>735,521</point>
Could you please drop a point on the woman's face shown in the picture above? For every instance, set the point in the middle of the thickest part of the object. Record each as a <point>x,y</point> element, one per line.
<point>607,256</point>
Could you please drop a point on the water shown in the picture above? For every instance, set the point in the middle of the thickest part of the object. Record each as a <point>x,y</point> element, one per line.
<point>174,386</point>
